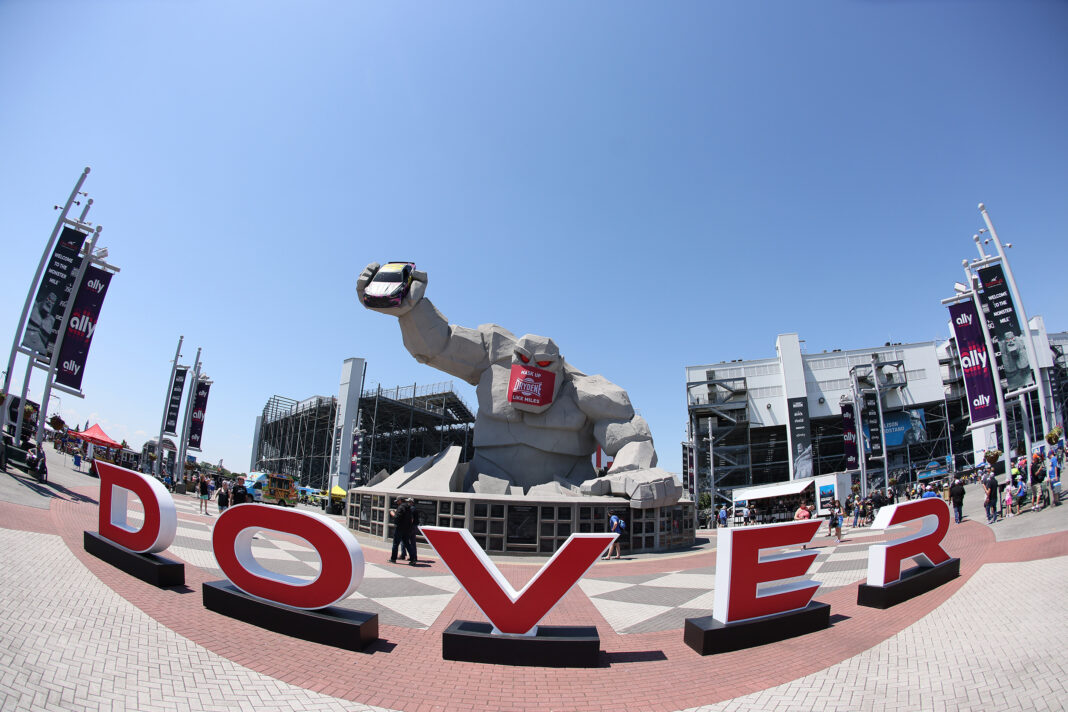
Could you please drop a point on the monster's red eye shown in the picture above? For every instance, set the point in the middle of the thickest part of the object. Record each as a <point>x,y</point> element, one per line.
<point>523,358</point>
<point>543,364</point>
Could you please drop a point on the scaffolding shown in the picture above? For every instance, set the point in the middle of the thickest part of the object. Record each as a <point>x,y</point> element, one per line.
<point>296,436</point>
<point>405,422</point>
<point>397,425</point>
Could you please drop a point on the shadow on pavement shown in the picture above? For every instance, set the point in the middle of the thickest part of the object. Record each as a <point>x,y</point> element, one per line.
<point>634,656</point>
<point>48,489</point>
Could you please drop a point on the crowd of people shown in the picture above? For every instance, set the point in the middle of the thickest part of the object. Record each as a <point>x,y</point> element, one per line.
<point>1033,485</point>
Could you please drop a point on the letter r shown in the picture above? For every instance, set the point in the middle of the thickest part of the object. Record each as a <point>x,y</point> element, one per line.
<point>924,546</point>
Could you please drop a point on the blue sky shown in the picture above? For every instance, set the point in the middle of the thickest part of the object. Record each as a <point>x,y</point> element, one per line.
<point>653,185</point>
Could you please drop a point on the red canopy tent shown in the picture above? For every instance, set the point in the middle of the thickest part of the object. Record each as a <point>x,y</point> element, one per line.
<point>97,437</point>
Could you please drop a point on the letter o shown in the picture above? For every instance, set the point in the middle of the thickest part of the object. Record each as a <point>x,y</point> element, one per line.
<point>340,555</point>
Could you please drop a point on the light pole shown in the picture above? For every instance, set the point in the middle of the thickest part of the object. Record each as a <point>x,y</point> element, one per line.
<point>1028,340</point>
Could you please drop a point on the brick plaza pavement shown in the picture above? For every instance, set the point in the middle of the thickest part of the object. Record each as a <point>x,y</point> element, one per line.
<point>78,634</point>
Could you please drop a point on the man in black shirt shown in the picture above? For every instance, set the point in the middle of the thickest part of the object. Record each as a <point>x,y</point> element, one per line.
<point>402,524</point>
<point>239,495</point>
<point>956,495</point>
<point>990,484</point>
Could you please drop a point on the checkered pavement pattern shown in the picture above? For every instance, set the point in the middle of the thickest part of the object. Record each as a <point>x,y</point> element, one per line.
<point>649,603</point>
<point>410,597</point>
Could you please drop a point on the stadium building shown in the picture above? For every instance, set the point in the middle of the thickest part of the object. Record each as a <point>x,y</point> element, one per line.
<point>755,422</point>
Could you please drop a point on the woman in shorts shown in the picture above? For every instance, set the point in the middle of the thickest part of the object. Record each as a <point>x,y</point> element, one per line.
<point>204,493</point>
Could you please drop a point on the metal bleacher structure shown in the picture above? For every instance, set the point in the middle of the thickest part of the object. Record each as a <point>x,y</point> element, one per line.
<point>300,437</point>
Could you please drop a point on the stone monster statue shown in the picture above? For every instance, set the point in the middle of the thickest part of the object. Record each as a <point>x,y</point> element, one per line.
<point>539,419</point>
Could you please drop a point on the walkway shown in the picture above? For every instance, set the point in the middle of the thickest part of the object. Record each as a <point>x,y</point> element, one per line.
<point>76,633</point>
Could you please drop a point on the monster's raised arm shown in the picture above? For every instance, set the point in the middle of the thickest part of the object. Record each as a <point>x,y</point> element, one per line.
<point>427,335</point>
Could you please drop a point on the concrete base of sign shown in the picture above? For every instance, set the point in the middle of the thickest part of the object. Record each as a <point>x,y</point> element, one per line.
<point>150,568</point>
<point>709,636</point>
<point>913,582</point>
<point>553,646</point>
<point>337,627</point>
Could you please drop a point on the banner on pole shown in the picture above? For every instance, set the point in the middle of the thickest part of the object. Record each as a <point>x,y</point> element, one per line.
<point>175,403</point>
<point>871,425</point>
<point>200,405</point>
<point>1005,331</point>
<point>800,437</point>
<point>42,328</point>
<point>974,361</point>
<point>849,437</point>
<point>74,348</point>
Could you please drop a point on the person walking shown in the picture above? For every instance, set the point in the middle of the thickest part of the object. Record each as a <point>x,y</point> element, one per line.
<point>203,494</point>
<point>616,525</point>
<point>956,496</point>
<point>723,515</point>
<point>413,531</point>
<point>835,522</point>
<point>1053,473</point>
<point>402,522</point>
<point>1039,485</point>
<point>238,493</point>
<point>223,496</point>
<point>802,514</point>
<point>990,486</point>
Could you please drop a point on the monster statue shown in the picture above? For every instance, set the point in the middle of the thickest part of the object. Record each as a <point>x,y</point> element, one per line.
<point>539,419</point>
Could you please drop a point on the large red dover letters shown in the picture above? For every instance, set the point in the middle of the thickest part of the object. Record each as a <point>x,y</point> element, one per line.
<point>508,610</point>
<point>340,555</point>
<point>925,546</point>
<point>740,569</point>
<point>161,519</point>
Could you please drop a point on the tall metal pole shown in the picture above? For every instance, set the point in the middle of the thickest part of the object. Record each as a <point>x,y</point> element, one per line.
<point>179,468</point>
<point>862,456</point>
<point>22,401</point>
<point>1029,340</point>
<point>882,430</point>
<point>30,294</point>
<point>166,407</point>
<point>63,328</point>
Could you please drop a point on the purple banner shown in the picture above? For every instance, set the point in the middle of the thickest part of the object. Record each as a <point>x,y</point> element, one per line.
<point>74,349</point>
<point>974,361</point>
<point>42,328</point>
<point>200,405</point>
<point>849,437</point>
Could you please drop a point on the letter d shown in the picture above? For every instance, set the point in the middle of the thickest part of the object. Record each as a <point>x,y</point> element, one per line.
<point>161,519</point>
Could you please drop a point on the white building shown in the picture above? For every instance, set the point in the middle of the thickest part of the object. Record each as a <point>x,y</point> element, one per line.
<point>777,419</point>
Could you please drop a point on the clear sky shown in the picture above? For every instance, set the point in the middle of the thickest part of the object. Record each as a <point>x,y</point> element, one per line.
<point>653,185</point>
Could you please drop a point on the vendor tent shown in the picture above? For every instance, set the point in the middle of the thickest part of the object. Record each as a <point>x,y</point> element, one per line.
<point>96,436</point>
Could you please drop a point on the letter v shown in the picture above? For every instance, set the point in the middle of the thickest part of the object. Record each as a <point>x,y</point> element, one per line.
<point>509,611</point>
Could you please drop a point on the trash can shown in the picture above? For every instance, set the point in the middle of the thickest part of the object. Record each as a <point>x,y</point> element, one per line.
<point>77,460</point>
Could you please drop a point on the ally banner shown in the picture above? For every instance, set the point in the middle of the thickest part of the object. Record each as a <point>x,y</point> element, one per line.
<point>1005,330</point>
<point>175,403</point>
<point>849,436</point>
<point>74,348</point>
<point>200,405</point>
<point>975,361</point>
<point>43,325</point>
